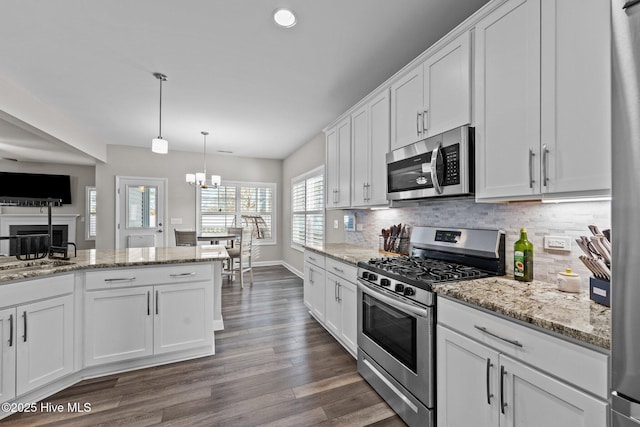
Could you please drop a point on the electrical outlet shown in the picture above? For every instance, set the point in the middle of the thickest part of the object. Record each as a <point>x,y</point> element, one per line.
<point>557,243</point>
<point>336,224</point>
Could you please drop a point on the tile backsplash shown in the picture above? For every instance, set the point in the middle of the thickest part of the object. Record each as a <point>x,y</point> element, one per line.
<point>561,219</point>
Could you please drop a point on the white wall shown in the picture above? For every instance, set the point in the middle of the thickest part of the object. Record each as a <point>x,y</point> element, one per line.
<point>135,161</point>
<point>81,177</point>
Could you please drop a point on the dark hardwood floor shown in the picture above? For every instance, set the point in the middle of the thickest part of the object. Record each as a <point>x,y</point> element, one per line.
<point>274,366</point>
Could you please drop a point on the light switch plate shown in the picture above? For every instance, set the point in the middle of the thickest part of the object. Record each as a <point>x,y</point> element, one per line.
<point>335,224</point>
<point>557,243</point>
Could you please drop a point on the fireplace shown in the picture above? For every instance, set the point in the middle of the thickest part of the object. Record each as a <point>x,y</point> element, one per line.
<point>37,224</point>
<point>60,234</point>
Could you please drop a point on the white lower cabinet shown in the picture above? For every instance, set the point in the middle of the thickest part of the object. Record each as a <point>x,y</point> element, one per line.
<point>331,294</point>
<point>182,317</point>
<point>340,310</point>
<point>137,321</point>
<point>119,325</point>
<point>480,385</point>
<point>37,341</point>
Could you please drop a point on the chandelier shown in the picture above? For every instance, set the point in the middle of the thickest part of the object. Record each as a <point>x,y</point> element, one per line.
<point>199,179</point>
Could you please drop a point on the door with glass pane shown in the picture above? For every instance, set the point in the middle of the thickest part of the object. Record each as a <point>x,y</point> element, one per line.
<point>140,206</point>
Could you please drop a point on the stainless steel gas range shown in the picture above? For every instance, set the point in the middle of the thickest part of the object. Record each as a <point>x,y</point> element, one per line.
<point>396,312</point>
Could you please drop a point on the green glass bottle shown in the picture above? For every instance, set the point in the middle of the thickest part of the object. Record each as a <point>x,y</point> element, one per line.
<point>523,258</point>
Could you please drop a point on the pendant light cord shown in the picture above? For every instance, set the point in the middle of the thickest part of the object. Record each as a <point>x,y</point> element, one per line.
<point>162,78</point>
<point>204,134</point>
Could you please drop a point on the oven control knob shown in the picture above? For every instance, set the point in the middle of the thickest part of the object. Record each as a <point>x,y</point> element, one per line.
<point>373,277</point>
<point>409,291</point>
<point>399,287</point>
<point>385,282</point>
<point>365,275</point>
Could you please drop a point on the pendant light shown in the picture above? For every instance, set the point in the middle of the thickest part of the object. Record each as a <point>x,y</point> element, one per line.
<point>160,145</point>
<point>199,179</point>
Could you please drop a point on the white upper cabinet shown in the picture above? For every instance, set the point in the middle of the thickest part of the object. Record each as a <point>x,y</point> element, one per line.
<point>542,100</point>
<point>434,96</point>
<point>447,87</point>
<point>338,164</point>
<point>370,144</point>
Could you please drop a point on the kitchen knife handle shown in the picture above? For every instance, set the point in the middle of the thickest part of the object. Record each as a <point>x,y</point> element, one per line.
<point>545,165</point>
<point>531,155</point>
<point>503,404</point>
<point>489,394</point>
<point>11,330</point>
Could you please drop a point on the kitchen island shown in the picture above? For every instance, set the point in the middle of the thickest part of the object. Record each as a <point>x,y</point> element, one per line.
<point>104,311</point>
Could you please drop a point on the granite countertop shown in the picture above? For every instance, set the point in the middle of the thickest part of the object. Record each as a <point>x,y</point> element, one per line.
<point>349,253</point>
<point>12,269</point>
<point>537,303</point>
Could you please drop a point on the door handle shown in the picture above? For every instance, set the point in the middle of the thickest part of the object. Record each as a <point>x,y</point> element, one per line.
<point>489,395</point>
<point>503,405</point>
<point>425,117</point>
<point>531,156</point>
<point>24,318</point>
<point>11,330</point>
<point>159,231</point>
<point>545,165</point>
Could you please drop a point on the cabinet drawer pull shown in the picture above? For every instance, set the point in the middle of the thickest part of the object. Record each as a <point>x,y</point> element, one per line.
<point>183,274</point>
<point>489,394</point>
<point>339,270</point>
<point>531,156</point>
<point>311,258</point>
<point>503,405</point>
<point>24,318</point>
<point>486,331</point>
<point>11,330</point>
<point>120,279</point>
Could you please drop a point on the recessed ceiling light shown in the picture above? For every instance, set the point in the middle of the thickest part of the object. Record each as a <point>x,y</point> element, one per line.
<point>284,17</point>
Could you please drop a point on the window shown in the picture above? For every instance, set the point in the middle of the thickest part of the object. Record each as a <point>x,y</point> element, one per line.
<point>91,224</point>
<point>307,209</point>
<point>236,204</point>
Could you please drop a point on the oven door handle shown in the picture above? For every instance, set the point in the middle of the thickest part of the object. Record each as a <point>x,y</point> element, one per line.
<point>406,307</point>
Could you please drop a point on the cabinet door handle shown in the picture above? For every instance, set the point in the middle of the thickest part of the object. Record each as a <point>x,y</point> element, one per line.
<point>311,275</point>
<point>121,279</point>
<point>183,274</point>
<point>418,117</point>
<point>335,291</point>
<point>148,303</point>
<point>531,156</point>
<point>545,165</point>
<point>339,292</point>
<point>503,405</point>
<point>425,117</point>
<point>157,301</point>
<point>489,394</point>
<point>24,318</point>
<point>11,330</point>
<point>488,332</point>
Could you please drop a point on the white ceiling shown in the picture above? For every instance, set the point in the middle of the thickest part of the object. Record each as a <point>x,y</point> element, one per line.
<point>260,90</point>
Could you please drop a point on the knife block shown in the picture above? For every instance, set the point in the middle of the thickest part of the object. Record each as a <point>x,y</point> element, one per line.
<point>600,291</point>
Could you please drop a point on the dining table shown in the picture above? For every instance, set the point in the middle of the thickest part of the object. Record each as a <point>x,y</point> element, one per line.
<point>215,238</point>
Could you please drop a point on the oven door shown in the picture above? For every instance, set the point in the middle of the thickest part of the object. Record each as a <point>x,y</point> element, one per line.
<point>399,337</point>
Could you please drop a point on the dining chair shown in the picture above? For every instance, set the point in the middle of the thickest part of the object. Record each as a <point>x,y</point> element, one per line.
<point>242,254</point>
<point>186,237</point>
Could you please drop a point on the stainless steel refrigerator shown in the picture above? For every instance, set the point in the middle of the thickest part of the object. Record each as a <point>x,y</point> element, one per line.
<point>625,219</point>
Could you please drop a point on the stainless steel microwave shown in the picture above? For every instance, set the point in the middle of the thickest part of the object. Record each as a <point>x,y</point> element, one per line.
<point>439,166</point>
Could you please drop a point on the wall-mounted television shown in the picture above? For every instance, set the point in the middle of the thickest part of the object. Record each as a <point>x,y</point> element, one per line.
<point>35,185</point>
